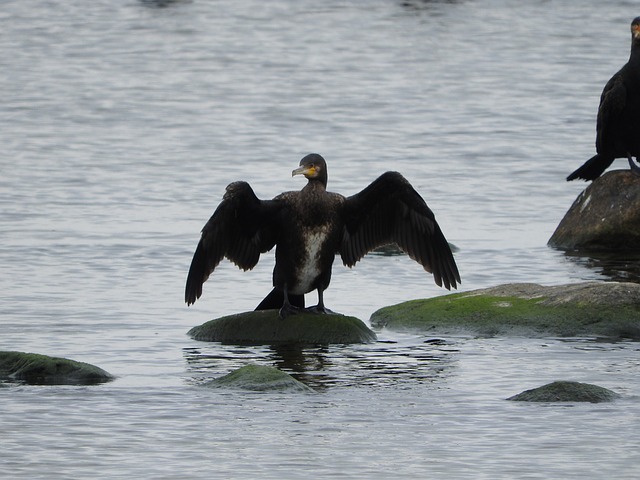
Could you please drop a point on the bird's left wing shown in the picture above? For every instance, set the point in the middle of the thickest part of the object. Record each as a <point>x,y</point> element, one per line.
<point>242,227</point>
<point>612,103</point>
<point>391,211</point>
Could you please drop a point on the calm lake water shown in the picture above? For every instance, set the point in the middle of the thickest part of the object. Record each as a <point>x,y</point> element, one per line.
<point>121,124</point>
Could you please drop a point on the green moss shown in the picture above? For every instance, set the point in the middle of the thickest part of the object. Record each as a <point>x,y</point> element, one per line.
<point>264,327</point>
<point>259,378</point>
<point>492,315</point>
<point>36,369</point>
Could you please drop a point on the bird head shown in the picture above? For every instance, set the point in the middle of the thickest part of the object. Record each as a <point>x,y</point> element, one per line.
<point>312,167</point>
<point>635,28</point>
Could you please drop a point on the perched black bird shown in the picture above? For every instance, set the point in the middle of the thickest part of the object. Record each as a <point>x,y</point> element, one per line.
<point>308,229</point>
<point>618,123</point>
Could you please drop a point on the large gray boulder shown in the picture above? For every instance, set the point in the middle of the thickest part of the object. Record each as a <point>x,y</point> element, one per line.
<point>604,217</point>
<point>36,369</point>
<point>607,309</point>
<point>264,327</point>
<point>565,391</point>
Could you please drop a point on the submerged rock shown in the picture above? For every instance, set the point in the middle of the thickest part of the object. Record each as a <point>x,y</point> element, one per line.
<point>264,327</point>
<point>609,309</point>
<point>564,391</point>
<point>605,216</point>
<point>260,378</point>
<point>36,369</point>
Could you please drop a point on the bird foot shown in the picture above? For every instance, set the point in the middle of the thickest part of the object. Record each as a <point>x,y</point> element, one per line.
<point>321,309</point>
<point>289,309</point>
<point>634,166</point>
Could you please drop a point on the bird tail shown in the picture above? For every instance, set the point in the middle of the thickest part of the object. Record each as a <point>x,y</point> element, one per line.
<point>592,168</point>
<point>275,299</point>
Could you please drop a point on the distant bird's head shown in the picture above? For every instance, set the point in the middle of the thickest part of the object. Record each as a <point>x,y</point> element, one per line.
<point>635,29</point>
<point>313,167</point>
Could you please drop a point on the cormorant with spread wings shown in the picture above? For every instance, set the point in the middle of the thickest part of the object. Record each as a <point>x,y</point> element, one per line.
<point>309,227</point>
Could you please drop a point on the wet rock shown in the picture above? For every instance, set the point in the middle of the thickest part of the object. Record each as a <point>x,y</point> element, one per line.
<point>264,327</point>
<point>604,217</point>
<point>564,391</point>
<point>260,378</point>
<point>38,369</point>
<point>607,309</point>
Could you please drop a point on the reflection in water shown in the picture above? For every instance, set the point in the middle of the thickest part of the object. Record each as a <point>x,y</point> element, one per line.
<point>424,4</point>
<point>619,267</point>
<point>392,250</point>
<point>298,359</point>
<point>380,364</point>
<point>162,3</point>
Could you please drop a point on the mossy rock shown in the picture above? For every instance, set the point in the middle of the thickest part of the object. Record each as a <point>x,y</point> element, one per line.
<point>265,327</point>
<point>608,309</point>
<point>35,369</point>
<point>564,391</point>
<point>260,378</point>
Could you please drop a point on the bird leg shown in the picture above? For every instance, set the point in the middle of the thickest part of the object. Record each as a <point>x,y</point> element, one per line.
<point>320,308</point>
<point>634,166</point>
<point>287,309</point>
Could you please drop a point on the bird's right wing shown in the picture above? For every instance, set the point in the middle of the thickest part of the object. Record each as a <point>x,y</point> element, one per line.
<point>612,102</point>
<point>242,227</point>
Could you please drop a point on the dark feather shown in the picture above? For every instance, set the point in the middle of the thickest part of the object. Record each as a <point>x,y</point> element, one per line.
<point>275,298</point>
<point>241,228</point>
<point>391,211</point>
<point>612,102</point>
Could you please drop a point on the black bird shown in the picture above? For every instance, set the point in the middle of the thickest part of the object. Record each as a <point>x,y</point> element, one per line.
<point>309,227</point>
<point>618,123</point>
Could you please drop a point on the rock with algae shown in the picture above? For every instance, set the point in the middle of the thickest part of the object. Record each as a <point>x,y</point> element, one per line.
<point>607,309</point>
<point>264,327</point>
<point>565,391</point>
<point>36,369</point>
<point>259,378</point>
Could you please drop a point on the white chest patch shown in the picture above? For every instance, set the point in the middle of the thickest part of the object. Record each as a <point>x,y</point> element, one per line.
<point>310,264</point>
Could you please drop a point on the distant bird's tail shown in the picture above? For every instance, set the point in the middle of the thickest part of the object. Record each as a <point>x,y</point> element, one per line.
<point>275,299</point>
<point>592,168</point>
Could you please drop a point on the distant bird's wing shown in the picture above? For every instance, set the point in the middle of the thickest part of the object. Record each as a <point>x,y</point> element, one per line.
<point>391,211</point>
<point>242,227</point>
<point>612,102</point>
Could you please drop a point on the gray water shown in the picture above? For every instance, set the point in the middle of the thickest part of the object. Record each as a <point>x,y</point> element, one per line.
<point>122,122</point>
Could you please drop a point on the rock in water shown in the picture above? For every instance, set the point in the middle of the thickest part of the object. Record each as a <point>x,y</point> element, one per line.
<point>260,378</point>
<point>38,369</point>
<point>605,309</point>
<point>605,216</point>
<point>563,391</point>
<point>265,327</point>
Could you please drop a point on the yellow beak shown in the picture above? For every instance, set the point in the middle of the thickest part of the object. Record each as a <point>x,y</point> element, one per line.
<point>306,171</point>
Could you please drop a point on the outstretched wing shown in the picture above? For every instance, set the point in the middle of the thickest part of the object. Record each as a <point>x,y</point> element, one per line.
<point>391,211</point>
<point>242,227</point>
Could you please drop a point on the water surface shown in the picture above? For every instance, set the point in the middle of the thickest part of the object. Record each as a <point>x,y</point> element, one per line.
<point>121,124</point>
